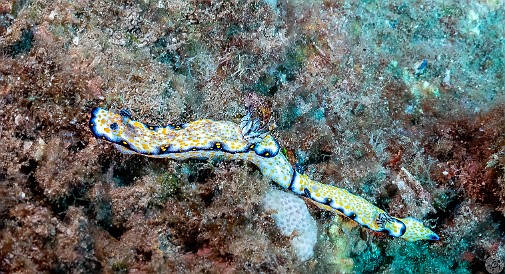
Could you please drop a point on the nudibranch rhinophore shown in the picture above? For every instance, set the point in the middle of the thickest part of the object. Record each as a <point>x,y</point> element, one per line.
<point>248,142</point>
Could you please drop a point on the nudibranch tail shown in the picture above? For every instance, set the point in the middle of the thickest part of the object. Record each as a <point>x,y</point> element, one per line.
<point>247,141</point>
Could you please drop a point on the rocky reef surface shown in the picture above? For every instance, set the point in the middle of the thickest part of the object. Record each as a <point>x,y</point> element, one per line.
<point>400,102</point>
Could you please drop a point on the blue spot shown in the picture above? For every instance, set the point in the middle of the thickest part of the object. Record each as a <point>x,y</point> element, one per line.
<point>422,67</point>
<point>409,109</point>
<point>393,23</point>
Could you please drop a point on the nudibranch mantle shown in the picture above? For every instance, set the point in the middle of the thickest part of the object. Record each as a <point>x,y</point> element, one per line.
<point>247,141</point>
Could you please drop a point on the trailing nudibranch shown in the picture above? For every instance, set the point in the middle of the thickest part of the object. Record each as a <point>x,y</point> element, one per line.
<point>209,139</point>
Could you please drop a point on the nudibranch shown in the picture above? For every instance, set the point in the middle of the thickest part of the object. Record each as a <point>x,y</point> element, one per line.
<point>248,142</point>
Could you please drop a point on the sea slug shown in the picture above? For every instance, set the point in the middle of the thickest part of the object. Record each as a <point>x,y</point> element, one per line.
<point>248,142</point>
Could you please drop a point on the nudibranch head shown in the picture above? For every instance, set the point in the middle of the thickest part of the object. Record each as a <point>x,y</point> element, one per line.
<point>105,124</point>
<point>121,130</point>
<point>417,231</point>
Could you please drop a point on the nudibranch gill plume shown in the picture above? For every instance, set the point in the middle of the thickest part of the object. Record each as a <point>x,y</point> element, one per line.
<point>207,139</point>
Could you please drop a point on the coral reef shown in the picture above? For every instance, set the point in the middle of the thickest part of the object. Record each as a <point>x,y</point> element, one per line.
<point>293,219</point>
<point>402,103</point>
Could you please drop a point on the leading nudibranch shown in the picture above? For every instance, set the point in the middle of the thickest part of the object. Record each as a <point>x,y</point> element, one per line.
<point>210,139</point>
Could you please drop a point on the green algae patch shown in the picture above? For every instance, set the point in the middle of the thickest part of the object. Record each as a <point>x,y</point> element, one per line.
<point>169,184</point>
<point>120,267</point>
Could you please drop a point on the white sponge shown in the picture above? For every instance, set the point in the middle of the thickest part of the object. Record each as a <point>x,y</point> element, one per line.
<point>291,215</point>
